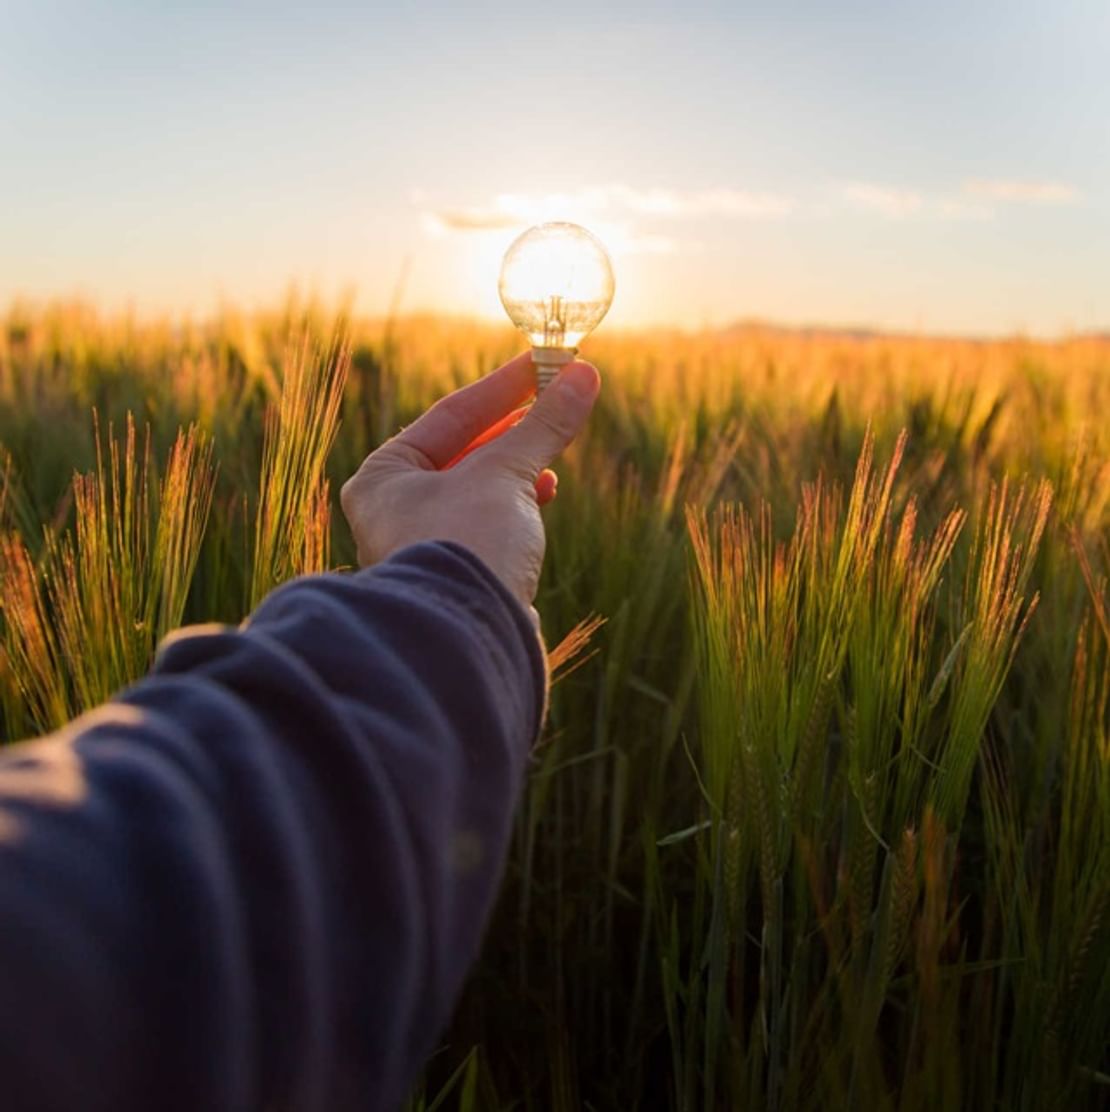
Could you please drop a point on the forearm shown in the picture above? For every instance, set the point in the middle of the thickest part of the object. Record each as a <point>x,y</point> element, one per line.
<point>287,838</point>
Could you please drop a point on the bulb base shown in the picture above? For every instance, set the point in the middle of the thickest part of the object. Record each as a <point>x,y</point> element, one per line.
<point>547,361</point>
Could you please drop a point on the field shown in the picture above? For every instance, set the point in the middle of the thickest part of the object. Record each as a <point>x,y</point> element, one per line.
<point>821,818</point>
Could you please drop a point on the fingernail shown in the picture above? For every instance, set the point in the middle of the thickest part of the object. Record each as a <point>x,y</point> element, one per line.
<point>579,379</point>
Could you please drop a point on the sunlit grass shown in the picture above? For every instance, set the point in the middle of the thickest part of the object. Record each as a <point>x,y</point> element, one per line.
<point>292,526</point>
<point>86,619</point>
<point>822,814</point>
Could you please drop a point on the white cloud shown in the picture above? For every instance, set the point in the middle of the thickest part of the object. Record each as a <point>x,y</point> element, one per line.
<point>605,203</point>
<point>622,211</point>
<point>956,209</point>
<point>634,243</point>
<point>895,204</point>
<point>707,202</point>
<point>1024,192</point>
<point>468,219</point>
<point>900,204</point>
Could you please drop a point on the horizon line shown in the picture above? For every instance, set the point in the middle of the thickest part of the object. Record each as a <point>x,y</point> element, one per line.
<point>341,306</point>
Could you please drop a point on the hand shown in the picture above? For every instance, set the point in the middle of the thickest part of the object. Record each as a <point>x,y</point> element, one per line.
<point>473,470</point>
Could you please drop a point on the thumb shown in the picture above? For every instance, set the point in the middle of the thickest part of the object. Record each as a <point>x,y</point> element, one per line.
<point>555,419</point>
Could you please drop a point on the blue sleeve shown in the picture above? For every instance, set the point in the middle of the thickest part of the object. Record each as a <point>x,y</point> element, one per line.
<point>257,879</point>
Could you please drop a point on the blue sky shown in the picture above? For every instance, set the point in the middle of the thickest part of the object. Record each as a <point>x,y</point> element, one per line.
<point>943,166</point>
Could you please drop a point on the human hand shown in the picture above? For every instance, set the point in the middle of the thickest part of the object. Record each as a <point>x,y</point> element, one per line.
<point>474,470</point>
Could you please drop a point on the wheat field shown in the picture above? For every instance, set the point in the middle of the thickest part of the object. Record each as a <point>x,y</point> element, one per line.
<point>821,816</point>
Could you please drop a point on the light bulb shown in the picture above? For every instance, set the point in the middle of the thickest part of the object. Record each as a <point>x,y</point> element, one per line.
<point>556,284</point>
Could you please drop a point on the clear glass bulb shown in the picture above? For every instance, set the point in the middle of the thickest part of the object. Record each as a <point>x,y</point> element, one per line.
<point>556,284</point>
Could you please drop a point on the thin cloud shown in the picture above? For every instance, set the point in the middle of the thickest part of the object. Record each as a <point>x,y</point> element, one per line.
<point>746,206</point>
<point>956,209</point>
<point>1024,192</point>
<point>634,243</point>
<point>895,204</point>
<point>471,219</point>
<point>902,204</point>
<point>708,202</point>
<point>607,203</point>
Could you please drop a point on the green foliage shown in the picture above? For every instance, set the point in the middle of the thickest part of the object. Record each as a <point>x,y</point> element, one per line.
<point>822,814</point>
<point>839,761</point>
<point>87,619</point>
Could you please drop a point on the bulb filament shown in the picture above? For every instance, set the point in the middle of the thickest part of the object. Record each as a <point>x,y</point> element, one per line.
<point>555,322</point>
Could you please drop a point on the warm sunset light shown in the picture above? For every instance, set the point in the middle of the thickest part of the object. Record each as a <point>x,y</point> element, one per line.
<point>718,719</point>
<point>934,167</point>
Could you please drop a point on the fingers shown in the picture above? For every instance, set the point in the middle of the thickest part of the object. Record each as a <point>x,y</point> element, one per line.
<point>555,419</point>
<point>547,486</point>
<point>492,433</point>
<point>455,421</point>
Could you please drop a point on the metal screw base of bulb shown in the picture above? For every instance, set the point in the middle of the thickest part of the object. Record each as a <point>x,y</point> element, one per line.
<point>547,361</point>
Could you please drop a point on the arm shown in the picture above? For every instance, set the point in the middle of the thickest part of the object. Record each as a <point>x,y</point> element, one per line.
<point>257,879</point>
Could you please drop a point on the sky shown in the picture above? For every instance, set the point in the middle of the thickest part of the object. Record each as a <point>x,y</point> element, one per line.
<point>940,167</point>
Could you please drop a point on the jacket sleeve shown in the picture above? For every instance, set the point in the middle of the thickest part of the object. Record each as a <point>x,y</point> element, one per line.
<point>257,878</point>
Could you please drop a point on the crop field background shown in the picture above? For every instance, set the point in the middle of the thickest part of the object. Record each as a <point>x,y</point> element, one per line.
<point>821,815</point>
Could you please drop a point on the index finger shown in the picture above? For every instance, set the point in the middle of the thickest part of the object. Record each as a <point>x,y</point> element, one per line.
<point>439,435</point>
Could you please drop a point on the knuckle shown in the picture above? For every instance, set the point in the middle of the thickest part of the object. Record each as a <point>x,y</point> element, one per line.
<point>498,456</point>
<point>405,455</point>
<point>454,417</point>
<point>553,421</point>
<point>347,495</point>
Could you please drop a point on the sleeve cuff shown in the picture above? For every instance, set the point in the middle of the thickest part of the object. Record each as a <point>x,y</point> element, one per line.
<point>465,581</point>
